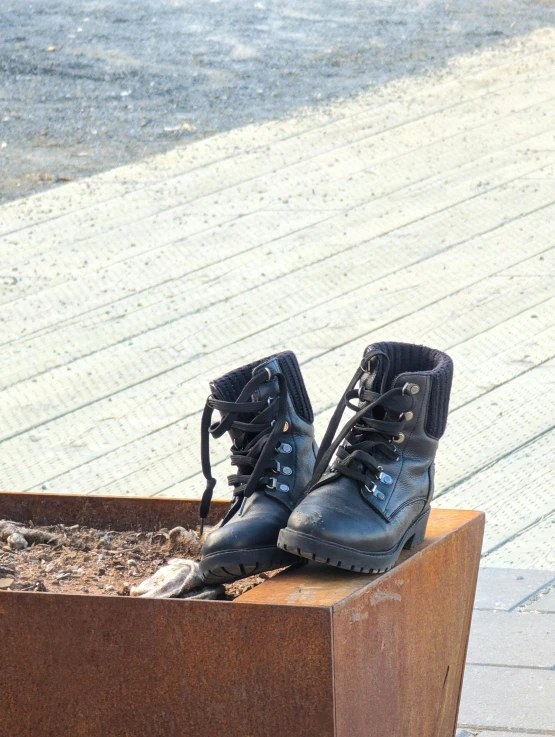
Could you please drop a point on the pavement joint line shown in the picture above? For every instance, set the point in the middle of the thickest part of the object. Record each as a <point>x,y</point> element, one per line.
<point>506,611</point>
<point>492,463</point>
<point>273,240</point>
<point>336,213</point>
<point>269,327</point>
<point>288,166</point>
<point>293,136</point>
<point>457,291</point>
<point>320,412</point>
<point>528,527</point>
<point>511,730</point>
<point>513,667</point>
<point>507,381</point>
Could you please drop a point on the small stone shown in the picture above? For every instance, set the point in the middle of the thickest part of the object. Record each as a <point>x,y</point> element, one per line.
<point>5,583</point>
<point>131,562</point>
<point>17,541</point>
<point>101,571</point>
<point>109,588</point>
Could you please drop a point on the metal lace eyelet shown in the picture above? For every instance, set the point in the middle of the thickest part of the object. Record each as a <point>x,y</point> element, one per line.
<point>375,491</point>
<point>285,426</point>
<point>279,487</point>
<point>287,471</point>
<point>414,388</point>
<point>400,438</point>
<point>385,478</point>
<point>267,370</point>
<point>409,416</point>
<point>284,448</point>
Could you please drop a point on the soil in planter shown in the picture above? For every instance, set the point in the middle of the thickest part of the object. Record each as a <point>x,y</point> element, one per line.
<point>84,560</point>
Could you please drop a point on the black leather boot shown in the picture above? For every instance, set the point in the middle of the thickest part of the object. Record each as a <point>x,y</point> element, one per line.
<point>266,410</point>
<point>374,499</point>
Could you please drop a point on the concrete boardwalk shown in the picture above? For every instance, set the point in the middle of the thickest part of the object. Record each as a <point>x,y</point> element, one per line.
<point>424,212</point>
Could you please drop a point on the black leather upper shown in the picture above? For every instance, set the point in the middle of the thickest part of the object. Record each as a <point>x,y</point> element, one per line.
<point>267,510</point>
<point>344,511</point>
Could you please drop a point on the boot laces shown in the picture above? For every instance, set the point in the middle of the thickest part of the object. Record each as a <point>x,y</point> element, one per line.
<point>253,447</point>
<point>368,437</point>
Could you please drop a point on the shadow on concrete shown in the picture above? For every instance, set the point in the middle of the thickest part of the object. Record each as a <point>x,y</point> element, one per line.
<point>91,85</point>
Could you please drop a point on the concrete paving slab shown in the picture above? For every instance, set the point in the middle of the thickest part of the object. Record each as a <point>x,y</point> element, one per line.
<point>509,699</point>
<point>515,639</point>
<point>504,734</point>
<point>507,588</point>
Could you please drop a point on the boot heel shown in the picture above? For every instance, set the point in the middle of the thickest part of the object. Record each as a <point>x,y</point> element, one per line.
<point>417,533</point>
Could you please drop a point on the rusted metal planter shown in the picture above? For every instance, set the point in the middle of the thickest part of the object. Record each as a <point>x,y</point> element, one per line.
<point>314,652</point>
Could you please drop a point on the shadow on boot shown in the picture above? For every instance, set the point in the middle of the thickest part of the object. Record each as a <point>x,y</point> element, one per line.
<point>265,409</point>
<point>374,499</point>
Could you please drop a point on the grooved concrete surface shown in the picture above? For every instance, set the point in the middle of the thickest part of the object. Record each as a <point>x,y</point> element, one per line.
<point>424,211</point>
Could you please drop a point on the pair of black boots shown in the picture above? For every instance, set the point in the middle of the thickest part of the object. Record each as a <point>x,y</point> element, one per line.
<point>357,501</point>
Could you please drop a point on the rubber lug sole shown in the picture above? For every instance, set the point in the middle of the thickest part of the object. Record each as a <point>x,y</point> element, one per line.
<point>351,559</point>
<point>232,565</point>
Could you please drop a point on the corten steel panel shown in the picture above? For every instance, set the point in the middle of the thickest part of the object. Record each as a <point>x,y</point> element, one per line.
<point>116,513</point>
<point>84,666</point>
<point>400,643</point>
<point>313,652</point>
<point>320,585</point>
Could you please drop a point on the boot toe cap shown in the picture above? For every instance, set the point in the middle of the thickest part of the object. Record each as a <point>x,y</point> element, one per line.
<point>329,518</point>
<point>240,535</point>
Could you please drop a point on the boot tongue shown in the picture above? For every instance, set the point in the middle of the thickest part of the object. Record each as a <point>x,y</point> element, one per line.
<point>374,378</point>
<point>230,386</point>
<point>269,389</point>
<point>377,380</point>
